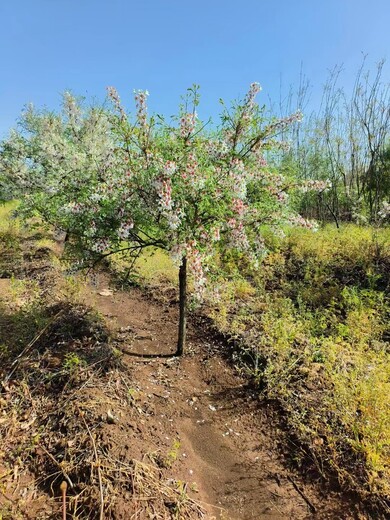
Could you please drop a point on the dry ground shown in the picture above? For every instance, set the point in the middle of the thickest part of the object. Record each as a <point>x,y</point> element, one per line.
<point>229,446</point>
<point>140,437</point>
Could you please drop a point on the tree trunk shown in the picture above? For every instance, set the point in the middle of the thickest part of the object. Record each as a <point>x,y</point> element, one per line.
<point>182,307</point>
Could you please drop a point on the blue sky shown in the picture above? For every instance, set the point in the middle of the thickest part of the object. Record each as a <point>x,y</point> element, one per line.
<point>49,46</point>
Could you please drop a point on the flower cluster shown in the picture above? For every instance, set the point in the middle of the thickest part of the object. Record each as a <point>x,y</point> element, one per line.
<point>298,220</point>
<point>238,236</point>
<point>249,102</point>
<point>177,252</point>
<point>114,96</point>
<point>276,186</point>
<point>195,263</point>
<point>92,231</point>
<point>187,124</point>
<point>314,185</point>
<point>174,218</point>
<point>190,174</point>
<point>216,149</point>
<point>164,192</point>
<point>260,159</point>
<point>384,212</point>
<point>282,124</point>
<point>72,109</point>
<point>124,229</point>
<point>74,208</point>
<point>140,97</point>
<point>238,207</point>
<point>100,245</point>
<point>237,175</point>
<point>169,168</point>
<point>281,196</point>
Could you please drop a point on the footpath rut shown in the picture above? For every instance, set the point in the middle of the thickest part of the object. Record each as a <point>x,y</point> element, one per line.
<point>220,437</point>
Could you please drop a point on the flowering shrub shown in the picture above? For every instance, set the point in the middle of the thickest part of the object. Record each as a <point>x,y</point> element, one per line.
<point>117,183</point>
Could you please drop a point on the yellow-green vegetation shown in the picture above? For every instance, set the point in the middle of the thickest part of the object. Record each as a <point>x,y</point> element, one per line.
<point>154,266</point>
<point>6,221</point>
<point>172,455</point>
<point>158,267</point>
<point>31,281</point>
<point>318,332</point>
<point>10,234</point>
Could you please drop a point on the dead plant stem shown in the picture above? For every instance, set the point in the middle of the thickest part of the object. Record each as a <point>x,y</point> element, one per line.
<point>101,517</point>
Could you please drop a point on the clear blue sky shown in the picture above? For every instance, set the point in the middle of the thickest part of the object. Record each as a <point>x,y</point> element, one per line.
<point>165,46</point>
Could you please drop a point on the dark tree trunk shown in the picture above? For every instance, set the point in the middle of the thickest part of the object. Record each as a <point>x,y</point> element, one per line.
<point>182,307</point>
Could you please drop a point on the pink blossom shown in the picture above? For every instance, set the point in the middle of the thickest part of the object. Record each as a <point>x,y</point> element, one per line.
<point>113,94</point>
<point>232,223</point>
<point>124,229</point>
<point>187,124</point>
<point>249,102</point>
<point>174,218</point>
<point>238,237</point>
<point>238,207</point>
<point>100,245</point>
<point>191,168</point>
<point>195,265</point>
<point>298,220</point>
<point>164,191</point>
<point>169,168</point>
<point>238,178</point>
<point>315,185</point>
<point>140,97</point>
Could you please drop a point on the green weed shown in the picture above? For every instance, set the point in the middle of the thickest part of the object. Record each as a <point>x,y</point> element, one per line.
<point>316,326</point>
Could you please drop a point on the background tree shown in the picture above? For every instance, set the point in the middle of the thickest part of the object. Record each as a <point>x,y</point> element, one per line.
<point>345,141</point>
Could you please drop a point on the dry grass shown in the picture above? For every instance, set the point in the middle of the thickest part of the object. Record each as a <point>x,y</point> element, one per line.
<point>57,428</point>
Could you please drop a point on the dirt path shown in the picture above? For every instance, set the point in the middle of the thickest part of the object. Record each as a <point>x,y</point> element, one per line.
<point>215,432</point>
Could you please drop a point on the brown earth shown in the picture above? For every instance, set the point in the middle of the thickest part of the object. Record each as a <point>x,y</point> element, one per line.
<point>146,437</point>
<point>228,439</point>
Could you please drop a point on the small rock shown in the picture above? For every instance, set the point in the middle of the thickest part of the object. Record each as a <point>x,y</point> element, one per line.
<point>106,292</point>
<point>111,419</point>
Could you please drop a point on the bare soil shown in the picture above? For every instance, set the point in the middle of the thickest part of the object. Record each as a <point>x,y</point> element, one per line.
<point>229,438</point>
<point>140,437</point>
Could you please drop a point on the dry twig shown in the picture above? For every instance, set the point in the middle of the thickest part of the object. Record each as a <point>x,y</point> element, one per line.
<point>18,358</point>
<point>63,487</point>
<point>101,517</point>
